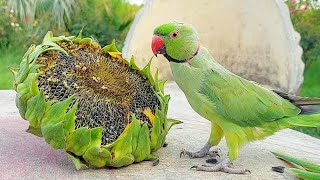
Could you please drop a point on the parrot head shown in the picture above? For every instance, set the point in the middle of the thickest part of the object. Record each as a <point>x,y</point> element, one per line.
<point>178,42</point>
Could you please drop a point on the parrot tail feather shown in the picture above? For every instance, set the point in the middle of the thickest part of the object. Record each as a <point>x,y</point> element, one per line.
<point>305,120</point>
<point>310,109</point>
<point>308,105</point>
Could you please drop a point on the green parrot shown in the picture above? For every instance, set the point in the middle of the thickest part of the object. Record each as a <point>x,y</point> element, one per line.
<point>238,109</point>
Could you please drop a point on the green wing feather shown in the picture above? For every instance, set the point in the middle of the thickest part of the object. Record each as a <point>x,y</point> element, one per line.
<point>307,175</point>
<point>243,102</point>
<point>307,170</point>
<point>301,162</point>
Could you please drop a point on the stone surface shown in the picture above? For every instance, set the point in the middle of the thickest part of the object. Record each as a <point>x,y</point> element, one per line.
<point>25,156</point>
<point>254,39</point>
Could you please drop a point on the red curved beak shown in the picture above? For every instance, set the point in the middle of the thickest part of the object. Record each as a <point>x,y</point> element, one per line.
<point>157,45</point>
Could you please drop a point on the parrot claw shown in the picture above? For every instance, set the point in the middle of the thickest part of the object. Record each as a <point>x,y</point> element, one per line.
<point>202,153</point>
<point>198,154</point>
<point>223,166</point>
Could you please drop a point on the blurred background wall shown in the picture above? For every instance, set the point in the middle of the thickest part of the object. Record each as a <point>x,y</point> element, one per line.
<point>254,39</point>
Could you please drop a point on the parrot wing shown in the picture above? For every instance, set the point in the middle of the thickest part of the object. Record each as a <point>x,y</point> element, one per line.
<point>244,102</point>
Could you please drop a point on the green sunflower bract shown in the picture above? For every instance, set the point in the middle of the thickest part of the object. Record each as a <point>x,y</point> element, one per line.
<point>88,100</point>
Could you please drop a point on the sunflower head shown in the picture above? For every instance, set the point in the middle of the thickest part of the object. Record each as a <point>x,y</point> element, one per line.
<point>102,109</point>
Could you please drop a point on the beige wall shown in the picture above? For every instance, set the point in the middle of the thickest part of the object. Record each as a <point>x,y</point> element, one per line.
<point>252,38</point>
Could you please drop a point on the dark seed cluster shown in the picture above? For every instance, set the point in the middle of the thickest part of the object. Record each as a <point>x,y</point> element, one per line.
<point>106,89</point>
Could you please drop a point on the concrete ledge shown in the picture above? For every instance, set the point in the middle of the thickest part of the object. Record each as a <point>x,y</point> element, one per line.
<point>24,156</point>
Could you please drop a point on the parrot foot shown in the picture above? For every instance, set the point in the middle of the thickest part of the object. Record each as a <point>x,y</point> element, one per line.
<point>202,153</point>
<point>223,166</point>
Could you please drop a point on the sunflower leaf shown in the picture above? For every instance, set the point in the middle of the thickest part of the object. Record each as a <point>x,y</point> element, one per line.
<point>35,114</point>
<point>78,163</point>
<point>54,135</point>
<point>69,123</point>
<point>56,112</point>
<point>97,156</point>
<point>79,141</point>
<point>144,145</point>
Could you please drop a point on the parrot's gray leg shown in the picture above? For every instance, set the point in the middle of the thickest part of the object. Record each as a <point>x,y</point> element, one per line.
<point>223,166</point>
<point>203,152</point>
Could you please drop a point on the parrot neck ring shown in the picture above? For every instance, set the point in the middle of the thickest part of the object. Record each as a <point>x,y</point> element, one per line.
<point>170,59</point>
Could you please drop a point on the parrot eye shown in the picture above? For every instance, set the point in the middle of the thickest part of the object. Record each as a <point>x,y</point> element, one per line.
<point>174,34</point>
